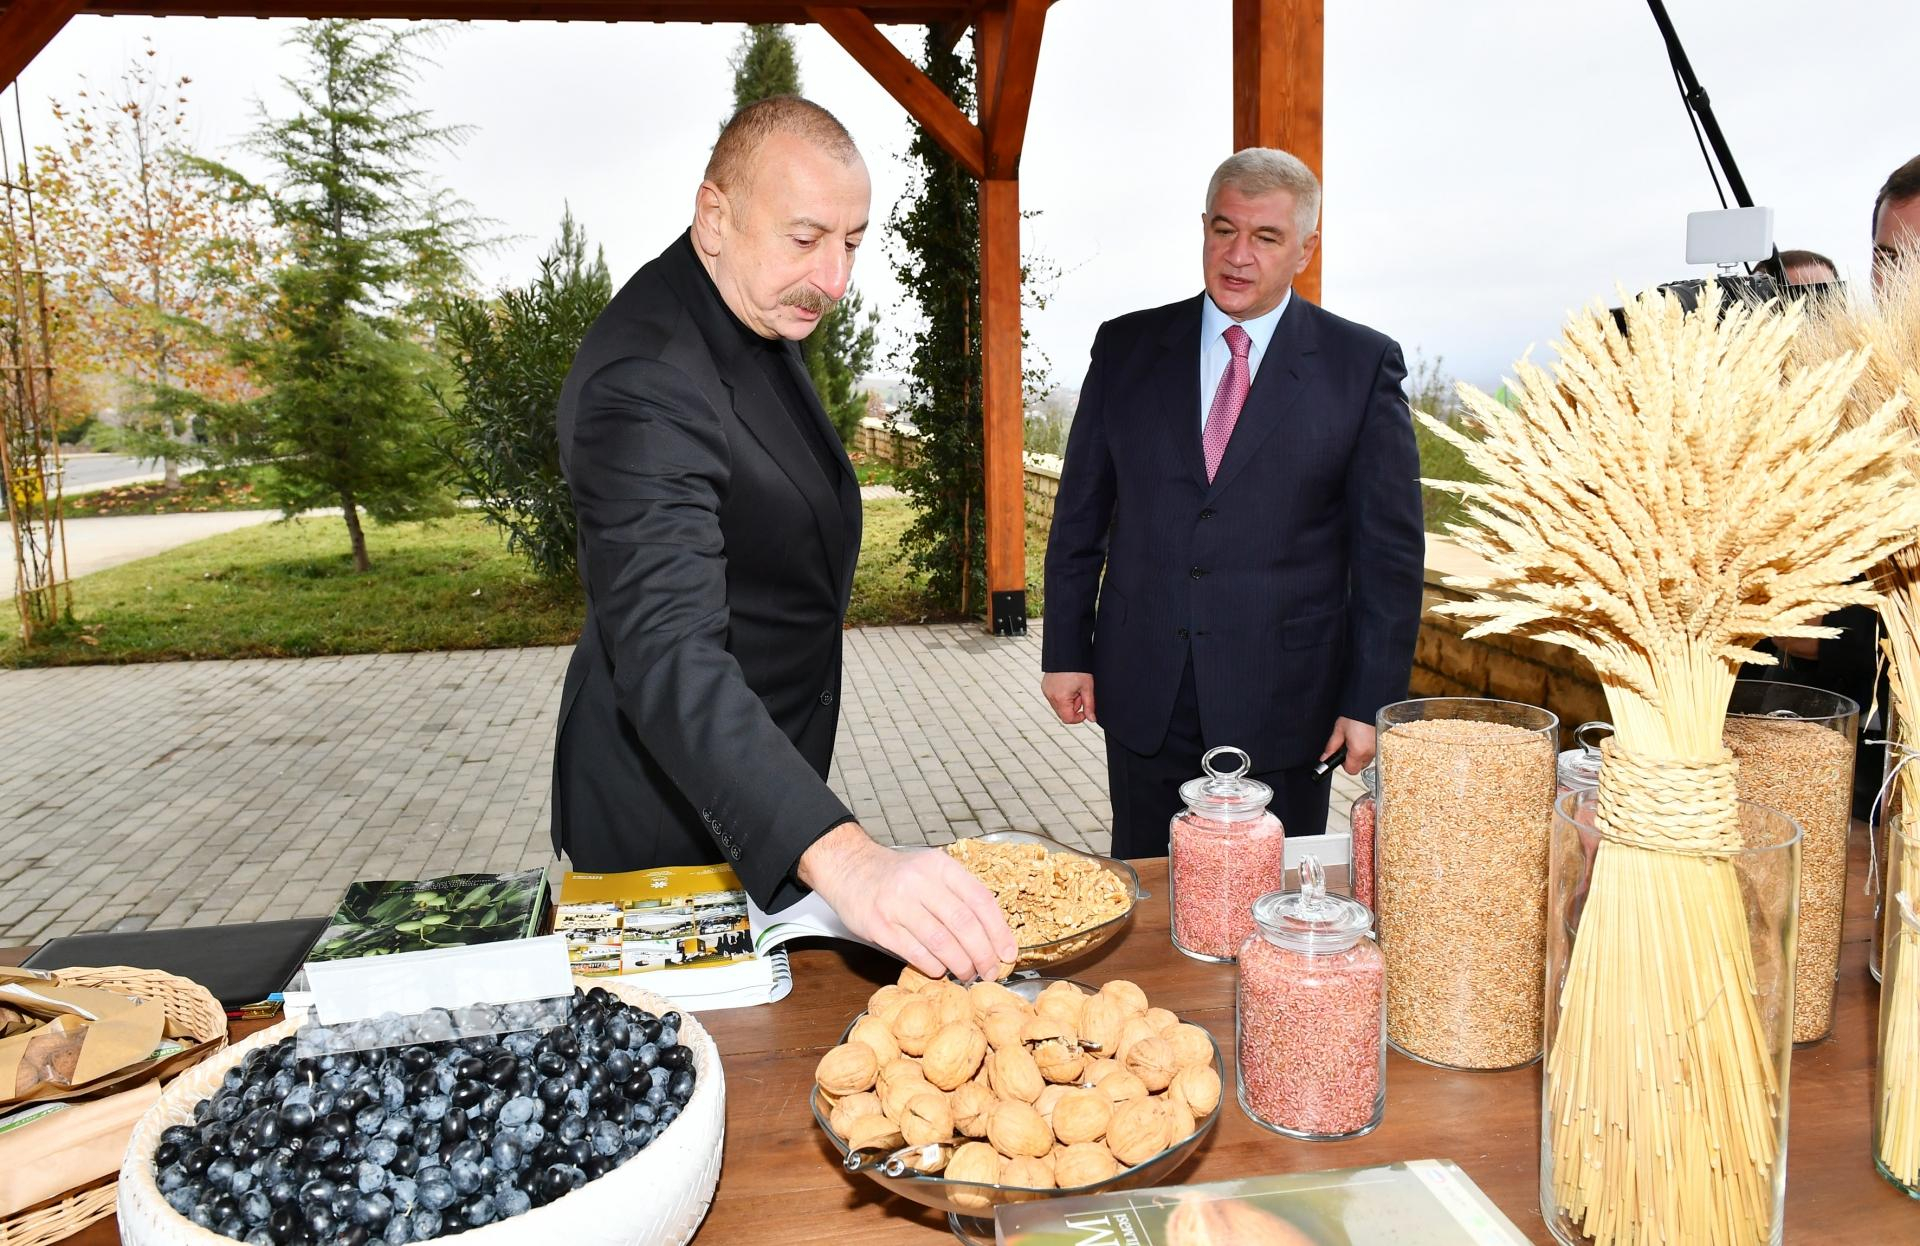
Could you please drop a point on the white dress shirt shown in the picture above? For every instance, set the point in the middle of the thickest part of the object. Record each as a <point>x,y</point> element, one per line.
<point>1214,353</point>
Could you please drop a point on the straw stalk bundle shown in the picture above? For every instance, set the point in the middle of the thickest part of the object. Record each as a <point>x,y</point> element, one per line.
<point>1888,331</point>
<point>1660,502</point>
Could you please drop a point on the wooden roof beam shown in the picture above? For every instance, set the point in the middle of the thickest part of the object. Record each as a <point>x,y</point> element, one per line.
<point>1004,115</point>
<point>902,79</point>
<point>26,26</point>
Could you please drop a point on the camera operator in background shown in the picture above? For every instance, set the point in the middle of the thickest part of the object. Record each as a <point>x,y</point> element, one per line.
<point>1808,268</point>
<point>1846,664</point>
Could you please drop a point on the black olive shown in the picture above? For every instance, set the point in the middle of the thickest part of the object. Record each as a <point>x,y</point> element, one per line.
<point>554,1182</point>
<point>406,1162</point>
<point>339,1125</point>
<point>196,1160</point>
<point>469,1067</point>
<point>580,1150</point>
<point>598,1166</point>
<point>320,1221</point>
<point>482,1129</point>
<point>553,1090</point>
<point>224,1206</point>
<point>424,1085</point>
<point>680,1086</point>
<point>619,1067</point>
<point>501,1071</point>
<point>283,1223</point>
<point>352,1235</point>
<point>551,1117</point>
<point>649,1031</point>
<point>454,1127</point>
<point>550,1063</point>
<point>550,1151</point>
<point>351,1100</point>
<point>296,1118</point>
<point>339,1170</point>
<point>165,1154</point>
<point>677,1057</point>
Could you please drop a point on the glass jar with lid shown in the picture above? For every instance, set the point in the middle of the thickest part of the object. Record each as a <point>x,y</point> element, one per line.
<point>1225,850</point>
<point>1310,1014</point>
<point>1578,769</point>
<point>1362,817</point>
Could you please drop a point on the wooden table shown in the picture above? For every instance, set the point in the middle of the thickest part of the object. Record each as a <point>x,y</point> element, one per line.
<point>782,1182</point>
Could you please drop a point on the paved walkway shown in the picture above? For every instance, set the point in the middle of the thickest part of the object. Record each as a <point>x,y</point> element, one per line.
<point>200,792</point>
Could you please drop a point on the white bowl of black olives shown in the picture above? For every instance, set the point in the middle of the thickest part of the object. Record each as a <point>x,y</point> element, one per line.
<point>606,1130</point>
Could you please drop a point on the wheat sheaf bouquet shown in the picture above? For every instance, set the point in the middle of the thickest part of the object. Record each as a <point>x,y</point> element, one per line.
<point>1888,331</point>
<point>1662,500</point>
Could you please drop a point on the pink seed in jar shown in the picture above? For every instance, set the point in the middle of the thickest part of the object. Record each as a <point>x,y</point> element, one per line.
<point>1219,869</point>
<point>1362,818</point>
<point>1310,1036</point>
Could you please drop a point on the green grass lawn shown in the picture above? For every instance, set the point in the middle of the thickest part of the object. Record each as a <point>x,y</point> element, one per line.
<point>227,489</point>
<point>288,589</point>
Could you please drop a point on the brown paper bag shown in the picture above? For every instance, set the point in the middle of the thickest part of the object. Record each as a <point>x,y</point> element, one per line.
<point>71,1146</point>
<point>91,1035</point>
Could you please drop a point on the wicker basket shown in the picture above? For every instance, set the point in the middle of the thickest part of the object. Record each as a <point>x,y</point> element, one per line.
<point>657,1198</point>
<point>189,1007</point>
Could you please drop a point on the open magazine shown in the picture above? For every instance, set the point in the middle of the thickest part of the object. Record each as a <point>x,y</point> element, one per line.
<point>691,930</point>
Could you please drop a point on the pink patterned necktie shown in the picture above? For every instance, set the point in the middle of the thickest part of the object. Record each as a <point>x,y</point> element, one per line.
<point>1227,400</point>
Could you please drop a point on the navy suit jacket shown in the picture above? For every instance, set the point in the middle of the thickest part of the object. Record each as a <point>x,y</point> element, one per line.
<point>1293,579</point>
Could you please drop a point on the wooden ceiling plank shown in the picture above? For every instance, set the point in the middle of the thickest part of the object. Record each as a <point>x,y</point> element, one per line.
<point>902,79</point>
<point>26,26</point>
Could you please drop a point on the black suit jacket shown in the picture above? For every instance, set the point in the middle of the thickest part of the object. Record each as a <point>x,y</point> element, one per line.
<point>699,710</point>
<point>1293,579</point>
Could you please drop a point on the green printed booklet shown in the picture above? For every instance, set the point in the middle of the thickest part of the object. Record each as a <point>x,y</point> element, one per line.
<point>457,910</point>
<point>1427,1202</point>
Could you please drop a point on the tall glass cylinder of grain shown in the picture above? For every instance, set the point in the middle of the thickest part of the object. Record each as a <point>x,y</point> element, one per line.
<point>1751,1173</point>
<point>1465,811</point>
<point>1896,1089</point>
<point>1795,748</point>
<point>1891,813</point>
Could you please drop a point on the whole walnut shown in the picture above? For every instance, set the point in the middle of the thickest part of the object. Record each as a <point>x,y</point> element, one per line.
<point>1124,993</point>
<point>852,1108</point>
<point>1151,1060</point>
<point>1100,1022</point>
<point>1061,1001</point>
<point>1203,1221</point>
<point>914,1026</point>
<point>1015,1128</point>
<point>928,1119</point>
<point>913,980</point>
<point>847,1070</point>
<point>950,1002</point>
<point>1097,1071</point>
<point>1180,1121</point>
<point>1028,1172</point>
<point>887,1001</point>
<point>1138,1131</point>
<point>975,1162</point>
<point>1081,1116</point>
<point>970,1105</point>
<point>1160,1019</point>
<point>895,1096</point>
<point>869,1131</point>
<point>1135,1029</point>
<point>1081,1164</point>
<point>1120,1087</point>
<point>1002,1027</point>
<point>954,1055</point>
<point>987,996</point>
<point>1048,1097</point>
<point>895,1069</point>
<point>1012,1073</point>
<point>1198,1088</point>
<point>1190,1044</point>
<point>874,1033</point>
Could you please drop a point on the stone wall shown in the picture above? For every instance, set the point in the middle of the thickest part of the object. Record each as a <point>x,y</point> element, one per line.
<point>1446,664</point>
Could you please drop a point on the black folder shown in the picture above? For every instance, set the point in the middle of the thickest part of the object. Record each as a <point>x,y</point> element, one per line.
<point>240,964</point>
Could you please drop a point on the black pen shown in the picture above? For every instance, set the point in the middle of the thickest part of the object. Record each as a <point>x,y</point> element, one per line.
<point>1325,764</point>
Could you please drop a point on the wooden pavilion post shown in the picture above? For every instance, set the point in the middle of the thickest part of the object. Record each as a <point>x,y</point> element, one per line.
<point>1279,49</point>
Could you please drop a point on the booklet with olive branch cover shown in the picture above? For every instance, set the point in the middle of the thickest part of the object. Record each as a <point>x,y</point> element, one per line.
<point>415,915</point>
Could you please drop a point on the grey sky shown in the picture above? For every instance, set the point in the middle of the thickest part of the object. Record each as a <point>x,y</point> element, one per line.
<point>1488,165</point>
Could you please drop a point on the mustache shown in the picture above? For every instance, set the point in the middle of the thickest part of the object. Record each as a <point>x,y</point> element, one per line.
<point>807,298</point>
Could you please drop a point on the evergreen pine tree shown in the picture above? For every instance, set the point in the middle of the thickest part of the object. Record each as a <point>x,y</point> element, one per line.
<point>346,418</point>
<point>840,350</point>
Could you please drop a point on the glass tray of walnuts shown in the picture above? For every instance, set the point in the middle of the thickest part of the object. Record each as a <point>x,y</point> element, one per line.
<point>966,1098</point>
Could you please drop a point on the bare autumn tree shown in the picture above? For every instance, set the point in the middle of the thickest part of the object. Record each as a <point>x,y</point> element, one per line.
<point>145,253</point>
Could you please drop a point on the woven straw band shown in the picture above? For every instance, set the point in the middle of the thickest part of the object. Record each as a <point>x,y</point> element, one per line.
<point>1671,806</point>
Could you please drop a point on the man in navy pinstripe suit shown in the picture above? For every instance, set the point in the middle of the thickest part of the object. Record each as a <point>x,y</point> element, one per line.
<point>1237,544</point>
